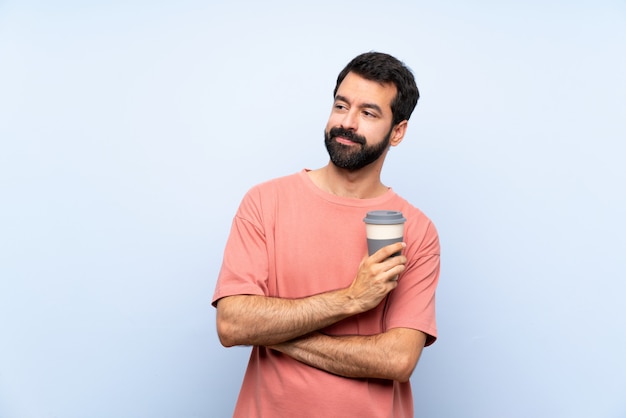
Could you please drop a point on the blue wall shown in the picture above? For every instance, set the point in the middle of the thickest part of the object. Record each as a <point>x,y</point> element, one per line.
<point>130,131</point>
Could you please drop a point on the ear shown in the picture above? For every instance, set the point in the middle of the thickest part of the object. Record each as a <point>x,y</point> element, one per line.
<point>397,133</point>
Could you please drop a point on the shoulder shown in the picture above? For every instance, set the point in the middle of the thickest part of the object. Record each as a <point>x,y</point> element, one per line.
<point>412,213</point>
<point>276,185</point>
<point>419,228</point>
<point>262,195</point>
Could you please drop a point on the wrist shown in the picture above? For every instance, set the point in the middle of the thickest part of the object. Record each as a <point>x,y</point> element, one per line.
<point>348,303</point>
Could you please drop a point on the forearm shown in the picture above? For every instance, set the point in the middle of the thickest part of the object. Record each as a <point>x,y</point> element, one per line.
<point>392,355</point>
<point>260,320</point>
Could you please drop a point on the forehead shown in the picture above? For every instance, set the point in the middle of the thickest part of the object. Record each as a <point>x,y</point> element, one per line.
<point>359,91</point>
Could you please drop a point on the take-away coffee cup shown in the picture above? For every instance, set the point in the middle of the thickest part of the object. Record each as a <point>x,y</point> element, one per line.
<point>383,227</point>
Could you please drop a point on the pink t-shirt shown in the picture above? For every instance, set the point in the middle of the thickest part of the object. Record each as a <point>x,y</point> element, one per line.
<point>290,239</point>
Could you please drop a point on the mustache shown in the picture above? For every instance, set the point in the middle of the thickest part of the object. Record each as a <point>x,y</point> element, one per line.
<point>337,131</point>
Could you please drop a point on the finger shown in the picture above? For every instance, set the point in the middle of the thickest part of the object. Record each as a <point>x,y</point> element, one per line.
<point>392,262</point>
<point>388,251</point>
<point>394,272</point>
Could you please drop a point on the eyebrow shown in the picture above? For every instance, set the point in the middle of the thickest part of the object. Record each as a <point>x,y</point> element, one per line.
<point>373,106</point>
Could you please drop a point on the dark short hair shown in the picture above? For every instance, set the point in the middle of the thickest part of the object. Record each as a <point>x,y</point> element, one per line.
<point>383,68</point>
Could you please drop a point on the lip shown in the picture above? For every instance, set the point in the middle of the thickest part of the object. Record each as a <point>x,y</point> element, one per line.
<point>345,141</point>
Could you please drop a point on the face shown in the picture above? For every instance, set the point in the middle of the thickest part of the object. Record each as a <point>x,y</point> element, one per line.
<point>359,130</point>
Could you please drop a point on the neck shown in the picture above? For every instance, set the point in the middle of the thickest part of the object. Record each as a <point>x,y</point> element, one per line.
<point>360,184</point>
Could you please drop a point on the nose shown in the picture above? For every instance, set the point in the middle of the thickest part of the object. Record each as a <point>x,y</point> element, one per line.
<point>350,120</point>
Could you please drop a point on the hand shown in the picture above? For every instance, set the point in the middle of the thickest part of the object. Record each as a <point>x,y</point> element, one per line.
<point>377,276</point>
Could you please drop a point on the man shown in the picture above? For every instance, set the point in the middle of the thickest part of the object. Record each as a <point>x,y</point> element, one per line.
<point>335,333</point>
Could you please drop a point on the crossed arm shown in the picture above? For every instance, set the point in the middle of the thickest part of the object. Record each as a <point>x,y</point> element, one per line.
<point>390,355</point>
<point>291,325</point>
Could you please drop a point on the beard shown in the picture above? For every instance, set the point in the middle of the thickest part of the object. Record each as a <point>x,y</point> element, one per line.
<point>353,157</point>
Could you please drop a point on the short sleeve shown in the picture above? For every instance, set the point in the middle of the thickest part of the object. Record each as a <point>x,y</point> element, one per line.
<point>412,302</point>
<point>244,267</point>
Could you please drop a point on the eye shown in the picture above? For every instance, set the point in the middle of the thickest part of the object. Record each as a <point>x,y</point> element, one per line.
<point>369,114</point>
<point>340,106</point>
